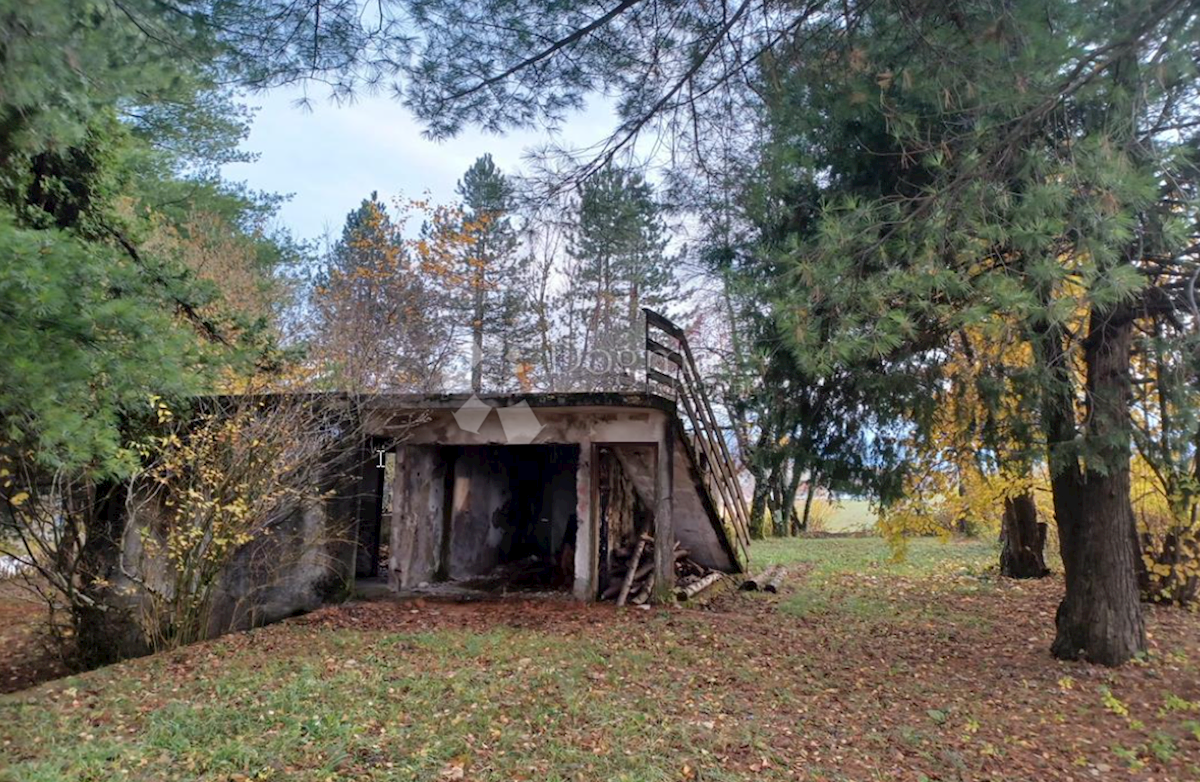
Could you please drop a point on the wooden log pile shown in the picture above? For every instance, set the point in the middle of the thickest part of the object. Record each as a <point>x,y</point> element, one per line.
<point>692,578</point>
<point>767,581</point>
<point>632,577</point>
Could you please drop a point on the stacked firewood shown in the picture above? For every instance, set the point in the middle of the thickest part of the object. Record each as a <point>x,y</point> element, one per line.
<point>691,578</point>
<point>632,576</point>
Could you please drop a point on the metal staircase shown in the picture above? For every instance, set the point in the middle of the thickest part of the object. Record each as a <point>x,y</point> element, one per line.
<point>671,372</point>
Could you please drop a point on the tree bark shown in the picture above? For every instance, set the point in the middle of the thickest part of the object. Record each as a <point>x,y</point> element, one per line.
<point>1100,617</point>
<point>758,499</point>
<point>758,507</point>
<point>776,504</point>
<point>791,523</point>
<point>1022,539</point>
<point>808,501</point>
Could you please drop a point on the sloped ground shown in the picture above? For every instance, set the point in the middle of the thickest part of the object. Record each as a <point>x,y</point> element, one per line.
<point>26,654</point>
<point>861,671</point>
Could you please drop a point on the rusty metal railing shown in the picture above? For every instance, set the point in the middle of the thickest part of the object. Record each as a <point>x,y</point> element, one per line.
<point>667,346</point>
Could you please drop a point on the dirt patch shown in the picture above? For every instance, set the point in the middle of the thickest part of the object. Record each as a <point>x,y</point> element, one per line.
<point>421,614</point>
<point>28,657</point>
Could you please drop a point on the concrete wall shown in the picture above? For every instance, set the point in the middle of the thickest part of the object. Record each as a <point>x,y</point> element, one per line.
<point>302,564</point>
<point>484,525</point>
<point>306,559</point>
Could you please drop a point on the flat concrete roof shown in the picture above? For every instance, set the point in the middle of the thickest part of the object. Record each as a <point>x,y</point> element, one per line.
<point>547,399</point>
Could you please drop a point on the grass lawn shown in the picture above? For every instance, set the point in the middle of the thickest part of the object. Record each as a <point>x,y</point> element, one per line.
<point>850,516</point>
<point>861,670</point>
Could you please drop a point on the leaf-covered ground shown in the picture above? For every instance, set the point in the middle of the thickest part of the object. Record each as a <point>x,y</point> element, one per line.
<point>862,670</point>
<point>26,654</point>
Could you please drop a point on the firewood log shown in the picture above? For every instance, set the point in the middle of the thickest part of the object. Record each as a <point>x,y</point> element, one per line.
<point>758,582</point>
<point>776,579</point>
<point>634,560</point>
<point>644,593</point>
<point>689,591</point>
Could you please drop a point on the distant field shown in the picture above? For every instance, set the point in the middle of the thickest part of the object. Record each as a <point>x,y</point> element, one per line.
<point>851,516</point>
<point>842,516</point>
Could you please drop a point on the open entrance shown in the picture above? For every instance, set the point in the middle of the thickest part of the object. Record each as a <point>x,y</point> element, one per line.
<point>484,518</point>
<point>374,514</point>
<point>625,475</point>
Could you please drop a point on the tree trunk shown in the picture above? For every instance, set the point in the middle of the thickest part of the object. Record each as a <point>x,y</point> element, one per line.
<point>758,516</point>
<point>808,501</point>
<point>1100,617</point>
<point>758,505</point>
<point>106,619</point>
<point>478,311</point>
<point>1022,539</point>
<point>776,504</point>
<point>791,523</point>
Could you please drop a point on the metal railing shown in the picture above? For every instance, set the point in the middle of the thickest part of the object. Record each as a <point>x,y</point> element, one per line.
<point>667,346</point>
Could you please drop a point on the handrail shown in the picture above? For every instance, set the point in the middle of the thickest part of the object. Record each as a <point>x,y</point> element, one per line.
<point>687,389</point>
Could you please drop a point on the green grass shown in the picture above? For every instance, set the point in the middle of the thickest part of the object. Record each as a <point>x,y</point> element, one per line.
<point>861,578</point>
<point>850,516</point>
<point>925,557</point>
<point>770,688</point>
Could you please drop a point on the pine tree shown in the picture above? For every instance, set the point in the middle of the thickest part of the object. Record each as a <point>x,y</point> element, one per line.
<point>617,243</point>
<point>491,272</point>
<point>374,328</point>
<point>961,197</point>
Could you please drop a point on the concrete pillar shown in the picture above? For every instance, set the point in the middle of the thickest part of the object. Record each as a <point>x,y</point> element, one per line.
<point>664,513</point>
<point>587,535</point>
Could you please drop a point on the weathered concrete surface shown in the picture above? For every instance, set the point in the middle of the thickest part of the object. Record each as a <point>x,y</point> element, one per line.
<point>298,567</point>
<point>587,537</point>
<point>483,520</point>
<point>461,511</point>
<point>634,426</point>
<point>418,514</point>
<point>306,559</point>
<point>664,512</point>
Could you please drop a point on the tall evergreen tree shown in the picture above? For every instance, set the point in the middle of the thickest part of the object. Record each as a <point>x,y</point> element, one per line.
<point>618,243</point>
<point>1008,187</point>
<point>490,274</point>
<point>374,329</point>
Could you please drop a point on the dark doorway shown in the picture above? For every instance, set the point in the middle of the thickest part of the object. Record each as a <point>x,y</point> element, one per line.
<point>510,517</point>
<point>375,498</point>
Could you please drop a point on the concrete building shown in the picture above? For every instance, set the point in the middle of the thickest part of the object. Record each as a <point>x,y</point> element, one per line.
<point>482,484</point>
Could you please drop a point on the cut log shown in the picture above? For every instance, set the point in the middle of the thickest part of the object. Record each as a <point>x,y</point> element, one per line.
<point>755,583</point>
<point>613,590</point>
<point>644,593</point>
<point>623,595</point>
<point>776,579</point>
<point>696,587</point>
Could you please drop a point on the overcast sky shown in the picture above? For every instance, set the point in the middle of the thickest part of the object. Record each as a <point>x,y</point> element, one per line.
<point>331,157</point>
